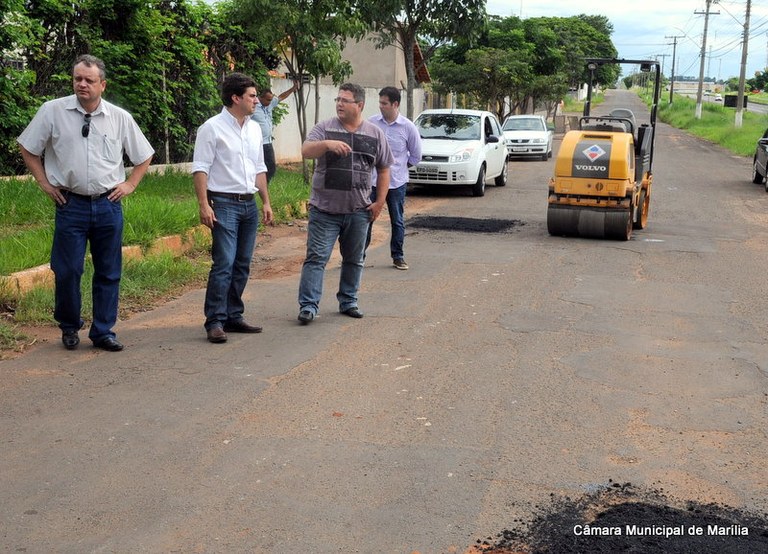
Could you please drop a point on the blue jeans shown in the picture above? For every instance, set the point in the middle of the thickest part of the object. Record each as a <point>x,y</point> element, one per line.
<point>234,238</point>
<point>100,223</point>
<point>322,232</point>
<point>396,208</point>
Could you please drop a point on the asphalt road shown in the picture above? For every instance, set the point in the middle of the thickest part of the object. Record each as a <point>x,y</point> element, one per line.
<point>501,369</point>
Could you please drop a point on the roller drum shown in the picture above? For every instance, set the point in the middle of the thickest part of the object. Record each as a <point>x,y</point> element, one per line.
<point>586,222</point>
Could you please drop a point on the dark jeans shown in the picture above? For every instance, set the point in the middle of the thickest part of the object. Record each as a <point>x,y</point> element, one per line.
<point>98,222</point>
<point>269,160</point>
<point>396,208</point>
<point>234,238</point>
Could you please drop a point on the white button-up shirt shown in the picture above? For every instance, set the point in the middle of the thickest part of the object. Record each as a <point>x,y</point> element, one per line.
<point>85,165</point>
<point>229,154</point>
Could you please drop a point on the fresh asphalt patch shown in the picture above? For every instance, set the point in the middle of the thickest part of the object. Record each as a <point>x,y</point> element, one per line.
<point>624,518</point>
<point>463,224</point>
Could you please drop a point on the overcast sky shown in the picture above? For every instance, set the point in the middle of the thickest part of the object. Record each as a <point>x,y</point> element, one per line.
<point>641,29</point>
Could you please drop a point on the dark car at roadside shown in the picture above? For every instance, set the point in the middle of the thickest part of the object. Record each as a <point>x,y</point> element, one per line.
<point>760,161</point>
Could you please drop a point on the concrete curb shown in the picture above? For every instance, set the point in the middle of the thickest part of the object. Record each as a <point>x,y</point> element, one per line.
<point>42,276</point>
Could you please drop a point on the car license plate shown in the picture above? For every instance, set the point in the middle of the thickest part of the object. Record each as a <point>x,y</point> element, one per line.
<point>426,169</point>
<point>519,150</point>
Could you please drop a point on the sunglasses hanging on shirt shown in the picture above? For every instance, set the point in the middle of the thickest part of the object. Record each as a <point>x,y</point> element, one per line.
<point>86,130</point>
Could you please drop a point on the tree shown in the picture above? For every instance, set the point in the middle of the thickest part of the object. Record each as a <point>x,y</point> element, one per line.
<point>308,36</point>
<point>159,61</point>
<point>759,81</point>
<point>521,64</point>
<point>433,22</point>
<point>17,105</point>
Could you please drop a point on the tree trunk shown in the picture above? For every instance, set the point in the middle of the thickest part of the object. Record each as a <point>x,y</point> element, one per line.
<point>407,42</point>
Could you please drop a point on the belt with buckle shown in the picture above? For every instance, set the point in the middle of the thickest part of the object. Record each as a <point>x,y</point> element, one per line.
<point>232,195</point>
<point>88,196</point>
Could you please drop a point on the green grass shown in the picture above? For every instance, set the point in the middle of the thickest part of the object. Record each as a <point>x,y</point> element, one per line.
<point>577,106</point>
<point>717,123</point>
<point>143,283</point>
<point>164,204</point>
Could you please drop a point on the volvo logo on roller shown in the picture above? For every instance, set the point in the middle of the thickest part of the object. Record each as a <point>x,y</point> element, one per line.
<point>591,159</point>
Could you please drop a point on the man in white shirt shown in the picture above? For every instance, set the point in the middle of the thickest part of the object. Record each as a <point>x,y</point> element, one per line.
<point>74,148</point>
<point>228,169</point>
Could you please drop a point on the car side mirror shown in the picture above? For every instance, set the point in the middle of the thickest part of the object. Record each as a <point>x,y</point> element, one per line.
<point>490,139</point>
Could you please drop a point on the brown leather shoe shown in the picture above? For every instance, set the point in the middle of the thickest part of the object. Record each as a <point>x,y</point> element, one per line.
<point>240,326</point>
<point>217,334</point>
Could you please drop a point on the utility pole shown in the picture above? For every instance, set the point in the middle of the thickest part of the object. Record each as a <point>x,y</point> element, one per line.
<point>703,58</point>
<point>663,58</point>
<point>742,73</point>
<point>672,76</point>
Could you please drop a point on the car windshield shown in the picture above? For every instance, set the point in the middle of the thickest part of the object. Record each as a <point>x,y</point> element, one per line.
<point>524,124</point>
<point>449,126</point>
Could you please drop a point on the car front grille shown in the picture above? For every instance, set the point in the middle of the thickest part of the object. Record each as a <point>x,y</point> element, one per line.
<point>434,159</point>
<point>440,176</point>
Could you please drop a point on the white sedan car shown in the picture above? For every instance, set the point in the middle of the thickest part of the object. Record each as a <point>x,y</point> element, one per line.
<point>460,147</point>
<point>528,135</point>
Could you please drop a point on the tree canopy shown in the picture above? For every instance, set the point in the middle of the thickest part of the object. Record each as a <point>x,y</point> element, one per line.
<point>519,63</point>
<point>432,23</point>
<point>165,58</point>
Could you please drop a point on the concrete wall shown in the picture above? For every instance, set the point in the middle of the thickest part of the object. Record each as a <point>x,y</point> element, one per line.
<point>375,67</point>
<point>286,137</point>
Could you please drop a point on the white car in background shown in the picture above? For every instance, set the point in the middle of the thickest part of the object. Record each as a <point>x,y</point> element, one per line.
<point>528,135</point>
<point>460,147</point>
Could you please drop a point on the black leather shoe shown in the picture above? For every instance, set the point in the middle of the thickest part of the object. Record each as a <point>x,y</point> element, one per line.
<point>305,317</point>
<point>240,326</point>
<point>354,311</point>
<point>109,344</point>
<point>70,339</point>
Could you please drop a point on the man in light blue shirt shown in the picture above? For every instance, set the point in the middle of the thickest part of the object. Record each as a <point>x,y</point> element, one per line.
<point>263,116</point>
<point>405,142</point>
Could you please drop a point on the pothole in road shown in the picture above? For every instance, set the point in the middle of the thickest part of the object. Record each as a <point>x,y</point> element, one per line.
<point>463,224</point>
<point>623,518</point>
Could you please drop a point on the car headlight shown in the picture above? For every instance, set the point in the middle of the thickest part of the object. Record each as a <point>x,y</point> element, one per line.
<point>538,141</point>
<point>462,156</point>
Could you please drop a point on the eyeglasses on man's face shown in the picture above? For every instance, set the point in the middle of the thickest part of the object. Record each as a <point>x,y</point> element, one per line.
<point>341,100</point>
<point>86,130</point>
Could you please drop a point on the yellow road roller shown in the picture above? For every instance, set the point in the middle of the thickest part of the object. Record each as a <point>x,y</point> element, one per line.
<point>601,186</point>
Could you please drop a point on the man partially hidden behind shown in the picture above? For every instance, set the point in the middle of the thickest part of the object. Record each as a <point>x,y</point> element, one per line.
<point>404,140</point>
<point>83,138</point>
<point>263,116</point>
<point>228,169</point>
<point>347,149</point>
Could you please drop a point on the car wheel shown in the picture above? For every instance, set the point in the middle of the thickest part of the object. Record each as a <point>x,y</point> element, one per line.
<point>501,180</point>
<point>478,189</point>
<point>757,178</point>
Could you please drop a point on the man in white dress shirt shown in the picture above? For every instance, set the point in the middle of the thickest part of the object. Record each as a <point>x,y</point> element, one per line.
<point>228,170</point>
